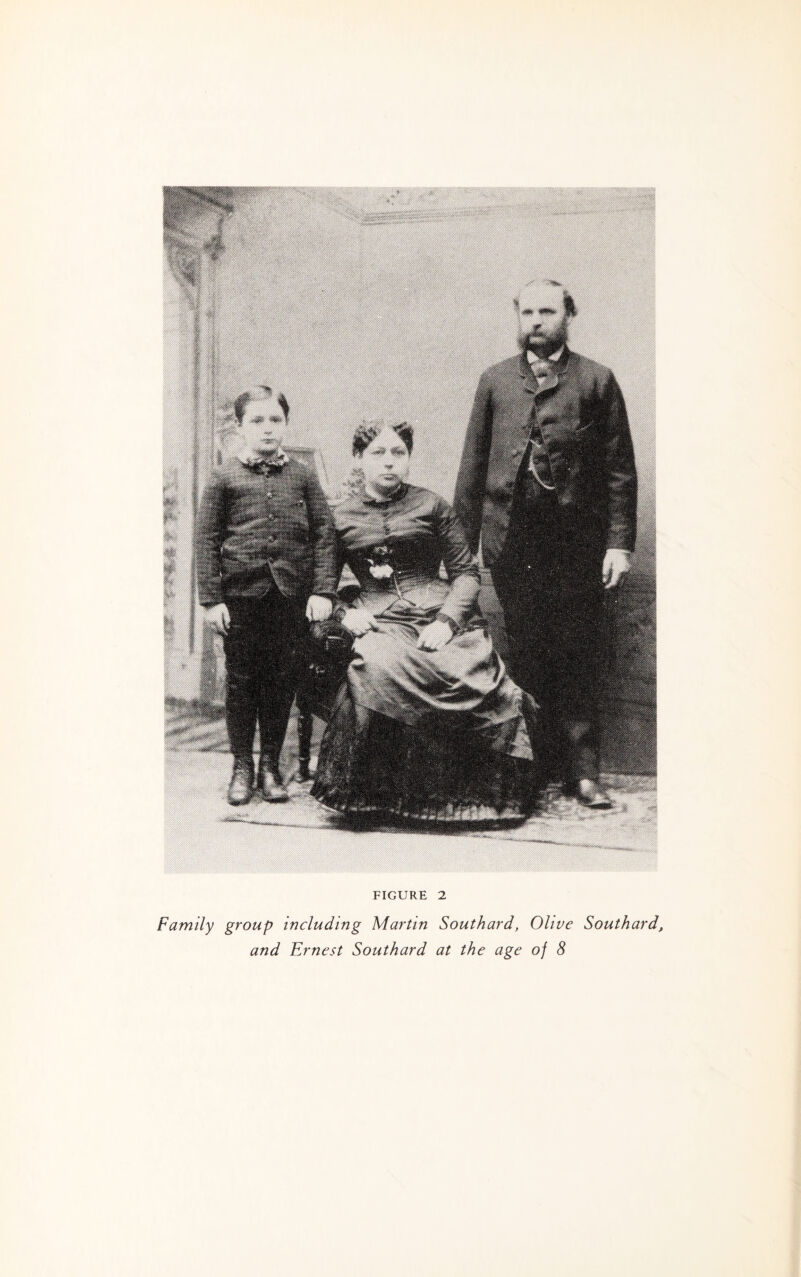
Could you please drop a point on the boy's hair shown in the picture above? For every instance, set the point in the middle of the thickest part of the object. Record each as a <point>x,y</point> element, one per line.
<point>369,430</point>
<point>258,392</point>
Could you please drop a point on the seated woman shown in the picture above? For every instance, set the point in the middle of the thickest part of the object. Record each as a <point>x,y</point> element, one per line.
<point>427,724</point>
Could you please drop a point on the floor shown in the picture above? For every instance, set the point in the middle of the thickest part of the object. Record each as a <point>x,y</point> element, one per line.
<point>205,835</point>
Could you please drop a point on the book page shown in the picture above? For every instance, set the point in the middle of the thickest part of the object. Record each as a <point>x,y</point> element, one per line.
<point>181,1101</point>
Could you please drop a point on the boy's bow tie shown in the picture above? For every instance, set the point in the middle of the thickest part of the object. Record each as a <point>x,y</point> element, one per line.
<point>264,464</point>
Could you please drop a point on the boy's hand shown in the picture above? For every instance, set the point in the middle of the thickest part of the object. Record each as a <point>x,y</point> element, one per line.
<point>218,617</point>
<point>318,608</point>
<point>358,620</point>
<point>435,636</point>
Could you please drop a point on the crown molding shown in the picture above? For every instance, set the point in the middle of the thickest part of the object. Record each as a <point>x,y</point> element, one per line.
<point>372,206</point>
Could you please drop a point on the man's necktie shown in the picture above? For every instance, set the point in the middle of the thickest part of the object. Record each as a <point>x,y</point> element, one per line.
<point>541,368</point>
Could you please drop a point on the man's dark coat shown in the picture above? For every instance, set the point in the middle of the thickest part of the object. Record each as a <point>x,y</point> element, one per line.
<point>582,418</point>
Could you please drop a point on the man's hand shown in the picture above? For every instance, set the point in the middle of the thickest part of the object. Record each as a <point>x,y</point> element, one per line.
<point>358,621</point>
<point>435,636</point>
<point>318,608</point>
<point>616,564</point>
<point>218,617</point>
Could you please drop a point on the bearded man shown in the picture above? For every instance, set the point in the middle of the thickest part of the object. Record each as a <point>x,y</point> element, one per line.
<point>547,483</point>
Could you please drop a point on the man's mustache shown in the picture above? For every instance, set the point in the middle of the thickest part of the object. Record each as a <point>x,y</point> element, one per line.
<point>528,342</point>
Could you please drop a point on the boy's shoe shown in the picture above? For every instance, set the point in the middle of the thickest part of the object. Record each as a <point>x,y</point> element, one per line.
<point>240,790</point>
<point>271,786</point>
<point>304,771</point>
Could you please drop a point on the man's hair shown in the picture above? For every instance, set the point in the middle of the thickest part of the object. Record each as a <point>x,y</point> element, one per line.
<point>567,297</point>
<point>258,392</point>
<point>369,430</point>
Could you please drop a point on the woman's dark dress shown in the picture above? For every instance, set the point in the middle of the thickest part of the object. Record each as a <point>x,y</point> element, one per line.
<point>436,736</point>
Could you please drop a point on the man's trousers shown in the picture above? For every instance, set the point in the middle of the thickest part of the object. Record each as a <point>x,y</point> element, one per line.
<point>264,651</point>
<point>548,582</point>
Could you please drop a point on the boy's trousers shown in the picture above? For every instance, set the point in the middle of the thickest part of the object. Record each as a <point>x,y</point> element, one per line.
<point>264,650</point>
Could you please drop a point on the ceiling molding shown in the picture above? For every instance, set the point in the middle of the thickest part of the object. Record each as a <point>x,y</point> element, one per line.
<point>372,206</point>
<point>213,196</point>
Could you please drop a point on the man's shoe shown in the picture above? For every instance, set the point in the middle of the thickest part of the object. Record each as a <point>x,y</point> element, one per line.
<point>271,786</point>
<point>590,794</point>
<point>240,790</point>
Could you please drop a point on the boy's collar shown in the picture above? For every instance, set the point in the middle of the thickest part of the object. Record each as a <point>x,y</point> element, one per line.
<point>253,461</point>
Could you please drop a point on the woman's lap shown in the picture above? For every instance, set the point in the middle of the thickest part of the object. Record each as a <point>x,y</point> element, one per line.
<point>462,686</point>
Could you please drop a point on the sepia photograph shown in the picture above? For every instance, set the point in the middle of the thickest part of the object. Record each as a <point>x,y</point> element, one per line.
<point>409,528</point>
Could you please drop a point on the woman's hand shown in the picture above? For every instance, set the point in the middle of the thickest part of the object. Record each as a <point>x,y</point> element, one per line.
<point>318,608</point>
<point>435,636</point>
<point>358,621</point>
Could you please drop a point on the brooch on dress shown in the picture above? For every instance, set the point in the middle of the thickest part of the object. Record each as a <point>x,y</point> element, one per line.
<point>380,566</point>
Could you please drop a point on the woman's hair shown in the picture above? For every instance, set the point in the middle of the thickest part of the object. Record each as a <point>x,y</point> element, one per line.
<point>258,392</point>
<point>369,430</point>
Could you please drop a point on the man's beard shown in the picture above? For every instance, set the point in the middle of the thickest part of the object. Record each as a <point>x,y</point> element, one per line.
<point>542,346</point>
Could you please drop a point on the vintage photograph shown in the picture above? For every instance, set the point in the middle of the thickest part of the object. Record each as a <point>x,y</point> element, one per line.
<point>409,528</point>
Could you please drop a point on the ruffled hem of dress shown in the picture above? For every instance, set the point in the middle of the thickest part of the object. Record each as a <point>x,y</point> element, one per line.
<point>371,765</point>
<point>465,814</point>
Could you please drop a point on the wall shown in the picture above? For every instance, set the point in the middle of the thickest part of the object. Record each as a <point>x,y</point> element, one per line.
<point>289,311</point>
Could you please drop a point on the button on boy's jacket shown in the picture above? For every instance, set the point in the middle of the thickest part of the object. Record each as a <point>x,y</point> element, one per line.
<point>255,530</point>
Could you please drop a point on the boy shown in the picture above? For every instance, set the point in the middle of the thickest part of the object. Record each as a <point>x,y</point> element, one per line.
<point>264,549</point>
